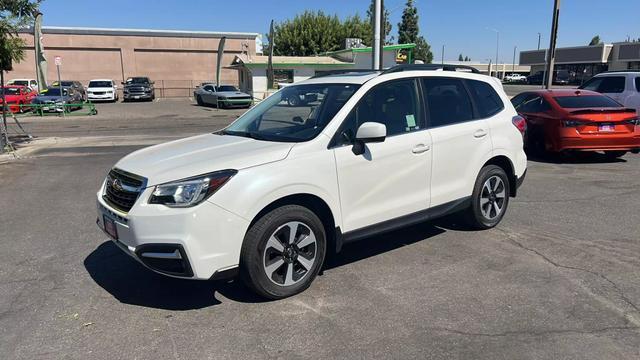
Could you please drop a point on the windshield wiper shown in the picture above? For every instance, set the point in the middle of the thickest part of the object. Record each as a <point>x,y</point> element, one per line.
<point>247,134</point>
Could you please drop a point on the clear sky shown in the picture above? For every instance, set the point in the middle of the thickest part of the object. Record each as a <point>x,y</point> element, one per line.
<point>462,26</point>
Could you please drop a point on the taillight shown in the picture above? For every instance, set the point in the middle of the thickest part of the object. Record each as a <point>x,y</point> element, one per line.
<point>573,123</point>
<point>520,123</point>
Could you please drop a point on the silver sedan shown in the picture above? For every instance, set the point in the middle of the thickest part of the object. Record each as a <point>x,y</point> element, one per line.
<point>223,96</point>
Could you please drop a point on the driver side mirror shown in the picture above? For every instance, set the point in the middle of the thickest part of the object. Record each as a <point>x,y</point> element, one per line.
<point>369,132</point>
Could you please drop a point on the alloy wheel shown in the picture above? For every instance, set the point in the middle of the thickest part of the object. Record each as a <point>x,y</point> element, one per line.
<point>492,197</point>
<point>290,253</point>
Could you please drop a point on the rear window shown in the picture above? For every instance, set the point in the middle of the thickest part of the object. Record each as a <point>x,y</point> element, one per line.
<point>586,101</point>
<point>486,98</point>
<point>605,84</point>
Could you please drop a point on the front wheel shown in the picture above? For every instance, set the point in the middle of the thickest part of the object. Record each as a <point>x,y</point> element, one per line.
<point>490,198</point>
<point>283,252</point>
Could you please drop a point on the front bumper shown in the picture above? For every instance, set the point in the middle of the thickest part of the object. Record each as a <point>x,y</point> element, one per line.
<point>103,97</point>
<point>138,96</point>
<point>198,243</point>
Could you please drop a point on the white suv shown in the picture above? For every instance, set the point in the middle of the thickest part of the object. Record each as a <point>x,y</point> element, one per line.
<point>621,86</point>
<point>102,90</point>
<point>270,195</point>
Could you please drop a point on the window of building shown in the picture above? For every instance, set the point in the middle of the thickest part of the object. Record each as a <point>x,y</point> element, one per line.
<point>487,100</point>
<point>447,100</point>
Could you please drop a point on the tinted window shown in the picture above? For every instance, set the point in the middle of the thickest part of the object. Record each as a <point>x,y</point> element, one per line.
<point>227,88</point>
<point>586,101</point>
<point>486,98</point>
<point>447,101</point>
<point>520,99</point>
<point>208,88</point>
<point>100,84</point>
<point>535,104</point>
<point>638,84</point>
<point>605,84</point>
<point>395,104</point>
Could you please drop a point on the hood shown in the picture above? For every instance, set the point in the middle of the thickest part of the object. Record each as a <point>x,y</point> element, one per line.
<point>99,89</point>
<point>200,154</point>
<point>50,98</point>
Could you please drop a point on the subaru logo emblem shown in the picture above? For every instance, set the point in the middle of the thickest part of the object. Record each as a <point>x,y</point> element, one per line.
<point>117,185</point>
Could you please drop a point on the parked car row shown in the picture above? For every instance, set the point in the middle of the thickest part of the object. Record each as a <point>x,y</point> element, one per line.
<point>601,115</point>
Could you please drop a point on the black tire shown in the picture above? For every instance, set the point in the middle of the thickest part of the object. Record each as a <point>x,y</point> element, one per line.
<point>614,154</point>
<point>256,253</point>
<point>477,217</point>
<point>199,100</point>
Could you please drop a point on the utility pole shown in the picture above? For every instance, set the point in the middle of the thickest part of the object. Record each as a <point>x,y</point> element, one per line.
<point>513,69</point>
<point>377,26</point>
<point>539,40</point>
<point>551,54</point>
<point>442,57</point>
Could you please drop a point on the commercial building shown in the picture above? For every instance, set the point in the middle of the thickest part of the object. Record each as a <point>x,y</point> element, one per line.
<point>252,70</point>
<point>582,62</point>
<point>176,60</point>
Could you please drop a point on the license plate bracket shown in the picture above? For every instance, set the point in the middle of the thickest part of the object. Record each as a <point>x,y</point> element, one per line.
<point>606,127</point>
<point>110,227</point>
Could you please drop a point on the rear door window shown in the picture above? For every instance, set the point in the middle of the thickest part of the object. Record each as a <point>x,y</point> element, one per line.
<point>487,101</point>
<point>447,100</point>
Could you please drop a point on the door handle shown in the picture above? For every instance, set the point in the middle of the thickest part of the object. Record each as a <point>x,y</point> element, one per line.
<point>480,133</point>
<point>419,149</point>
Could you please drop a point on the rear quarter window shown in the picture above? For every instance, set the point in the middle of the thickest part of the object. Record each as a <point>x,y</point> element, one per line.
<point>487,101</point>
<point>638,84</point>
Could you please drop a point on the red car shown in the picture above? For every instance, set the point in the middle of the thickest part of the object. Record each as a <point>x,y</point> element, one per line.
<point>577,120</point>
<point>17,95</point>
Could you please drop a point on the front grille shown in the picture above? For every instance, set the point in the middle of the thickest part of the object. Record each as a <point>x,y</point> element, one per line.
<point>136,89</point>
<point>122,189</point>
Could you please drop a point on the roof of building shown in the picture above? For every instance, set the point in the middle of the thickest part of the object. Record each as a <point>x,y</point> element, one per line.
<point>369,49</point>
<point>142,32</point>
<point>288,61</point>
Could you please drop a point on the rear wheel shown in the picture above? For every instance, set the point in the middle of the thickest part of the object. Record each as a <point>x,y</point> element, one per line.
<point>283,252</point>
<point>199,100</point>
<point>490,198</point>
<point>612,155</point>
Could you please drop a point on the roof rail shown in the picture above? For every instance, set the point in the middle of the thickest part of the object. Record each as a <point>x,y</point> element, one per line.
<point>344,72</point>
<point>621,71</point>
<point>443,67</point>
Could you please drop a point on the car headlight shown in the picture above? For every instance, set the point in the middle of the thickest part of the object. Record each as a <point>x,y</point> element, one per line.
<point>192,191</point>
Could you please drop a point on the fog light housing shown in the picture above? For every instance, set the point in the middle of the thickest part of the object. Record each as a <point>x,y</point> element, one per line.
<point>170,259</point>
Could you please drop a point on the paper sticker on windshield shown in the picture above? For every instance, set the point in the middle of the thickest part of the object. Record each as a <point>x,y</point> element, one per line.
<point>411,121</point>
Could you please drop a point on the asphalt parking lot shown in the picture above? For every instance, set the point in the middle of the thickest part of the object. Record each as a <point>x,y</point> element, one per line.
<point>557,279</point>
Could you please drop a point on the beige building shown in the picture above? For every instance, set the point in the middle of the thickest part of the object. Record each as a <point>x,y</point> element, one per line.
<point>176,60</point>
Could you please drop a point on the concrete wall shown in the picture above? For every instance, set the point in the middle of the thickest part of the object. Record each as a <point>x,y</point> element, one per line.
<point>175,62</point>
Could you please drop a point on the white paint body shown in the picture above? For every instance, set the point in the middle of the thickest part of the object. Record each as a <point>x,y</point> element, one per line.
<point>402,175</point>
<point>109,93</point>
<point>630,97</point>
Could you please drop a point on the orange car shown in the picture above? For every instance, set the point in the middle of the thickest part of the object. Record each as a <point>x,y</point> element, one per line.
<point>577,120</point>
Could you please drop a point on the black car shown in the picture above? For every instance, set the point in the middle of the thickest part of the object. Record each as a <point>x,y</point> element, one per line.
<point>138,88</point>
<point>72,84</point>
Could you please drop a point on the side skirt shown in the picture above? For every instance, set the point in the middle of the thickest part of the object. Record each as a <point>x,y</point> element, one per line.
<point>400,222</point>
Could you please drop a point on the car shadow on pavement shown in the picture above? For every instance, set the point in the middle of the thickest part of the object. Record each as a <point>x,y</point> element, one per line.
<point>131,283</point>
<point>574,158</point>
<point>382,243</point>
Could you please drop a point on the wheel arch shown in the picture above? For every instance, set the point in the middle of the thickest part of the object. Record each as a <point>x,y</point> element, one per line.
<point>505,163</point>
<point>313,203</point>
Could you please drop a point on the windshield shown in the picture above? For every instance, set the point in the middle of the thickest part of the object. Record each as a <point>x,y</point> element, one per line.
<point>64,83</point>
<point>19,82</point>
<point>10,91</point>
<point>586,101</point>
<point>53,92</point>
<point>100,84</point>
<point>137,80</point>
<point>227,88</point>
<point>294,114</point>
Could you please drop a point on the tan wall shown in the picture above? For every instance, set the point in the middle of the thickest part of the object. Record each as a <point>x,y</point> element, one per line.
<point>174,63</point>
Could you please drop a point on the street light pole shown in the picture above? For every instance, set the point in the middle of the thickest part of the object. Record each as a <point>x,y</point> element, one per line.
<point>513,69</point>
<point>539,40</point>
<point>377,25</point>
<point>442,57</point>
<point>551,54</point>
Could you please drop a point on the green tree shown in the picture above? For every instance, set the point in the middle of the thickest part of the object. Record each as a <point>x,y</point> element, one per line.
<point>313,33</point>
<point>466,58</point>
<point>595,40</point>
<point>409,32</point>
<point>460,58</point>
<point>388,39</point>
